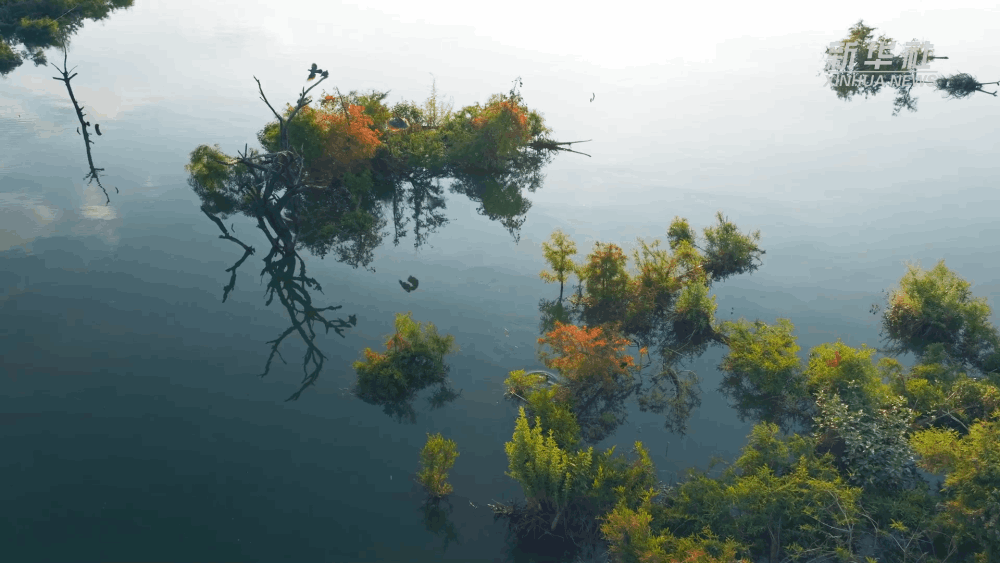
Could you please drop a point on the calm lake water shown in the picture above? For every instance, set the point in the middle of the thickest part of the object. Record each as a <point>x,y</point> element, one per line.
<point>132,422</point>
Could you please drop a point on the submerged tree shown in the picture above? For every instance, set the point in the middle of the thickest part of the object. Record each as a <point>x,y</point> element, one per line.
<point>663,306</point>
<point>936,307</point>
<point>413,361</point>
<point>436,459</point>
<point>566,487</point>
<point>972,508</point>
<point>328,175</point>
<point>762,373</point>
<point>597,375</point>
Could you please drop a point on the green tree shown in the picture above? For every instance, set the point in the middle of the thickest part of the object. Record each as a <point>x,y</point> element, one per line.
<point>936,307</point>
<point>568,488</point>
<point>796,499</point>
<point>413,361</point>
<point>875,452</point>
<point>972,485</point>
<point>763,376</point>
<point>539,399</point>
<point>557,254</point>
<point>549,475</point>
<point>606,284</point>
<point>728,252</point>
<point>779,498</point>
<point>436,112</point>
<point>437,458</point>
<point>41,24</point>
<point>849,372</point>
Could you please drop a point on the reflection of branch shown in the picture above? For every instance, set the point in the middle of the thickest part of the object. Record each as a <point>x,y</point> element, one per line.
<point>554,146</point>
<point>93,175</point>
<point>266,174</point>
<point>225,235</point>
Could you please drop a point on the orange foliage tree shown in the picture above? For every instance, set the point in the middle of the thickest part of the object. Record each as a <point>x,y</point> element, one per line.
<point>597,375</point>
<point>335,140</point>
<point>351,139</point>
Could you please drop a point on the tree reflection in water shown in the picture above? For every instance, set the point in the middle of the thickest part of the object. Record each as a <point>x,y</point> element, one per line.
<point>327,176</point>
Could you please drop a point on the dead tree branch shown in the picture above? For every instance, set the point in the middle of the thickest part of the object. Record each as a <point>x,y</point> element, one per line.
<point>93,174</point>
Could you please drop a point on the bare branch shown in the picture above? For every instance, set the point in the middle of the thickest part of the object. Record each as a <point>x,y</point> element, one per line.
<point>93,174</point>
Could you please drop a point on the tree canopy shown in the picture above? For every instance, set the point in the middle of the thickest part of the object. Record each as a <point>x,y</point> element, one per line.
<point>36,25</point>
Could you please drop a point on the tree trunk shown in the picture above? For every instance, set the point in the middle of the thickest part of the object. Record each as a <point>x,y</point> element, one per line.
<point>775,543</point>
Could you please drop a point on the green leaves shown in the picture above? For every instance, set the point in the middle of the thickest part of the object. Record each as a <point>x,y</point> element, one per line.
<point>937,307</point>
<point>763,375</point>
<point>778,498</point>
<point>413,361</point>
<point>849,372</point>
<point>557,254</point>
<point>728,252</point>
<point>973,466</point>
<point>436,459</point>
<point>796,498</point>
<point>544,470</point>
<point>38,25</point>
<point>876,454</point>
<point>680,231</point>
<point>210,175</point>
<point>694,316</point>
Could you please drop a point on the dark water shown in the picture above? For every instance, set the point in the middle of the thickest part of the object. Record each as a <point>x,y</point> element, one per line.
<point>134,427</point>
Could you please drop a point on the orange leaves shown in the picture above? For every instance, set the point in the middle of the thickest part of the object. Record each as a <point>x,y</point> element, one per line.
<point>350,137</point>
<point>504,128</point>
<point>397,343</point>
<point>835,361</point>
<point>347,141</point>
<point>505,109</point>
<point>587,355</point>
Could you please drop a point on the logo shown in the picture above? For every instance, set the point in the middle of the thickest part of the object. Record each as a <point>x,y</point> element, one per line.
<point>846,64</point>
